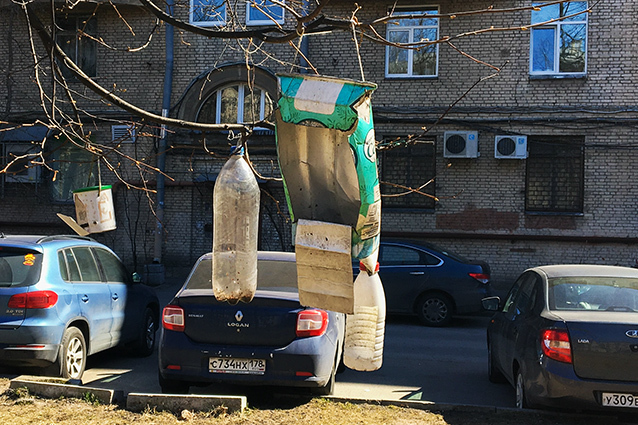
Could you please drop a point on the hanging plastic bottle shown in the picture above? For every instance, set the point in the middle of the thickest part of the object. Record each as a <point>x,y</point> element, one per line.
<point>365,328</point>
<point>235,230</point>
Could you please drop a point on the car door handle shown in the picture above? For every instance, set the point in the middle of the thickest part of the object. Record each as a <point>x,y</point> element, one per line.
<point>417,273</point>
<point>115,297</point>
<point>85,298</point>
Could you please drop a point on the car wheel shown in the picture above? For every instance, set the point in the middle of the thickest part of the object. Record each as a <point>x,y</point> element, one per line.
<point>170,386</point>
<point>71,359</point>
<point>435,310</point>
<point>146,341</point>
<point>521,402</point>
<point>494,374</point>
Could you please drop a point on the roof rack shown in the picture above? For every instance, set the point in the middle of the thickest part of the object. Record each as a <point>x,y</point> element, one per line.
<point>64,237</point>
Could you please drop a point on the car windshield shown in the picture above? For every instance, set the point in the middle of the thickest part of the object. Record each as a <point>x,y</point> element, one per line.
<point>19,267</point>
<point>271,275</point>
<point>593,293</point>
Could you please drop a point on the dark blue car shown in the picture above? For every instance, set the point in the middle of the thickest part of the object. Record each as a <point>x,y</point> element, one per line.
<point>430,282</point>
<point>273,340</point>
<point>63,298</point>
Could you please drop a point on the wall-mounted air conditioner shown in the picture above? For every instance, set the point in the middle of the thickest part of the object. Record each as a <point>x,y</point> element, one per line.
<point>460,144</point>
<point>510,147</point>
<point>123,133</point>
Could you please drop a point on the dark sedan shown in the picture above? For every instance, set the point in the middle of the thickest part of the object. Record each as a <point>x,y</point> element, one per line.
<point>567,337</point>
<point>273,340</point>
<point>432,283</point>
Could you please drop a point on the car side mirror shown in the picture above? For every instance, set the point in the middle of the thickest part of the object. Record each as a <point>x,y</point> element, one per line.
<point>491,303</point>
<point>136,277</point>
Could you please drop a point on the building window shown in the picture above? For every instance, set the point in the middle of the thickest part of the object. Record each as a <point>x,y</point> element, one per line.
<point>71,38</point>
<point>422,62</point>
<point>263,12</point>
<point>555,175</point>
<point>237,103</point>
<point>559,48</point>
<point>208,13</point>
<point>407,166</point>
<point>18,157</point>
<point>74,169</point>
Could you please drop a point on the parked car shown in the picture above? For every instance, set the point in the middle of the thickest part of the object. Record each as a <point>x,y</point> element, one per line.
<point>567,336</point>
<point>273,340</point>
<point>63,298</point>
<point>430,282</point>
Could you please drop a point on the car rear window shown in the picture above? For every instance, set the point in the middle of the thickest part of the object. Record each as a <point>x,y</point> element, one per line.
<point>593,293</point>
<point>19,267</point>
<point>271,275</point>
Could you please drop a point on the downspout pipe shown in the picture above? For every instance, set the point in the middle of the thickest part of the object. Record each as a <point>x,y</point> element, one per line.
<point>162,146</point>
<point>303,64</point>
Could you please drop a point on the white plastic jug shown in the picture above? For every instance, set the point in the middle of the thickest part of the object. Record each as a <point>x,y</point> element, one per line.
<point>235,231</point>
<point>365,329</point>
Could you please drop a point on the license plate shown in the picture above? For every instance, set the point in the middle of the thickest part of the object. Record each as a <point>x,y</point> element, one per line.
<point>232,365</point>
<point>620,400</point>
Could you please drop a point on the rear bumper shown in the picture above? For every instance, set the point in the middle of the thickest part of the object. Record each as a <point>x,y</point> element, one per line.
<point>306,362</point>
<point>556,385</point>
<point>35,355</point>
<point>471,302</point>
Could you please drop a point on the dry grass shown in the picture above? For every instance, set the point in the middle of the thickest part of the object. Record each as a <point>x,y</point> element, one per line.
<point>18,407</point>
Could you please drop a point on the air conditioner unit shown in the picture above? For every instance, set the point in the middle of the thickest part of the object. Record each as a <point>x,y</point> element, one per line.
<point>510,147</point>
<point>123,133</point>
<point>460,144</point>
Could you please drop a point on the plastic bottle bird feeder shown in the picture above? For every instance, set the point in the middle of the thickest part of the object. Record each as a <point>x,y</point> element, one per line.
<point>94,209</point>
<point>327,155</point>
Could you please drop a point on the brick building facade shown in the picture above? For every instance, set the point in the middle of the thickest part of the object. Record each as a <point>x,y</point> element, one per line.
<point>566,197</point>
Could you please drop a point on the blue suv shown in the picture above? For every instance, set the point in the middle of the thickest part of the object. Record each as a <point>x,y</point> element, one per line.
<point>63,298</point>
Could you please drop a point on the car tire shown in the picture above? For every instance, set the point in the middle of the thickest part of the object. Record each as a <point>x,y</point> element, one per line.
<point>327,389</point>
<point>170,386</point>
<point>435,310</point>
<point>521,400</point>
<point>71,360</point>
<point>493,373</point>
<point>145,345</point>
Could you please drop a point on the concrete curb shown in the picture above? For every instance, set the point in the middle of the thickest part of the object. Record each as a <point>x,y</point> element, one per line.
<point>137,402</point>
<point>55,388</point>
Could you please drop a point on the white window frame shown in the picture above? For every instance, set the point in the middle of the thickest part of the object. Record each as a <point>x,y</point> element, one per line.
<point>250,4</point>
<point>556,27</point>
<point>220,21</point>
<point>393,28</point>
<point>241,89</point>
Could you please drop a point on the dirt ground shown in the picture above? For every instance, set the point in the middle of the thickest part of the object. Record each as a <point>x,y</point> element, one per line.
<point>20,407</point>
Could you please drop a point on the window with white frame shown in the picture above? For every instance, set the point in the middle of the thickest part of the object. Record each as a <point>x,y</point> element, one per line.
<point>72,38</point>
<point>419,28</point>
<point>236,103</point>
<point>264,12</point>
<point>73,166</point>
<point>560,46</point>
<point>207,13</point>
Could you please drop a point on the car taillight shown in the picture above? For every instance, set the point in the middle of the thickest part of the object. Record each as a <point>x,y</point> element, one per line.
<point>555,345</point>
<point>173,318</point>
<point>481,277</point>
<point>36,299</point>
<point>313,322</point>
